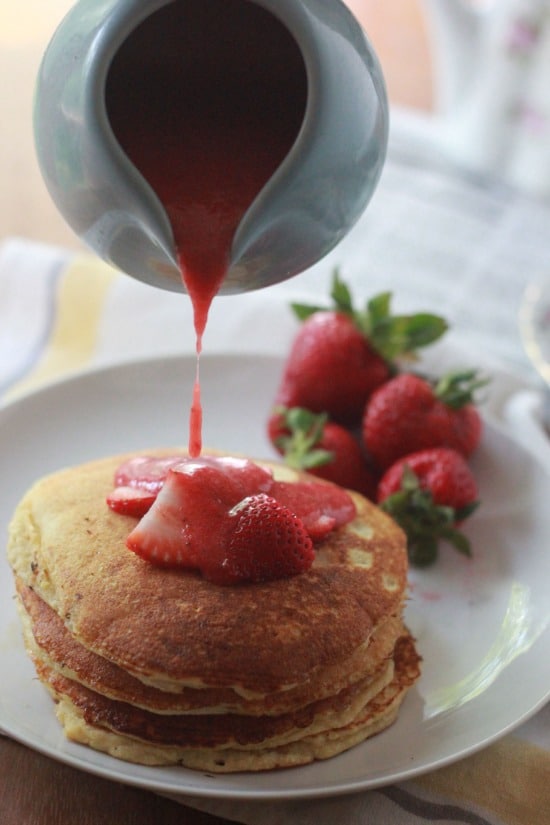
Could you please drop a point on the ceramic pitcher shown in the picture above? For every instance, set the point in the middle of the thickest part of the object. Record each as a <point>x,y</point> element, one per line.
<point>311,201</point>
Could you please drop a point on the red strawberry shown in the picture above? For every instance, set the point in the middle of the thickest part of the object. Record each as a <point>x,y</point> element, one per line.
<point>184,526</point>
<point>309,441</point>
<point>266,541</point>
<point>192,522</point>
<point>181,526</point>
<point>331,367</point>
<point>138,481</point>
<point>130,501</point>
<point>146,472</point>
<point>339,356</point>
<point>409,413</point>
<point>320,507</point>
<point>429,493</point>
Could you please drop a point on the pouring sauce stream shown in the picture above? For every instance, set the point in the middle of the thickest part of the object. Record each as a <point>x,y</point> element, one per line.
<point>206,97</point>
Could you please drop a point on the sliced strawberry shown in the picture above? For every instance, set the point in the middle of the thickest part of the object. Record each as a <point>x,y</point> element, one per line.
<point>130,501</point>
<point>321,507</point>
<point>174,532</point>
<point>184,527</point>
<point>193,520</point>
<point>266,541</point>
<point>146,472</point>
<point>139,480</point>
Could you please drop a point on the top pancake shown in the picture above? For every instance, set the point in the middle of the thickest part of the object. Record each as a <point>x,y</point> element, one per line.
<point>172,628</point>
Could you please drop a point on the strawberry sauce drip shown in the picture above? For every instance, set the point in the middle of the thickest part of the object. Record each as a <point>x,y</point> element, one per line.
<point>195,416</point>
<point>224,516</point>
<point>206,98</point>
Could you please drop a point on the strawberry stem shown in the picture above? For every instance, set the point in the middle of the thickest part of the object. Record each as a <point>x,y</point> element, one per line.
<point>422,552</point>
<point>392,336</point>
<point>305,430</point>
<point>456,389</point>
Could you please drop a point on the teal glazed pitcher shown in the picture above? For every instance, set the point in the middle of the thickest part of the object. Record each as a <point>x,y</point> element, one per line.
<point>309,59</point>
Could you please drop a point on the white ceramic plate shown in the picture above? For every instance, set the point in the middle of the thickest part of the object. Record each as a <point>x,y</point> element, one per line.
<point>482,625</point>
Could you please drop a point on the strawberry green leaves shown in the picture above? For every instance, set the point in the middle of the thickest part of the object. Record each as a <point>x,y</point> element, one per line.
<point>456,389</point>
<point>391,336</point>
<point>399,335</point>
<point>298,434</point>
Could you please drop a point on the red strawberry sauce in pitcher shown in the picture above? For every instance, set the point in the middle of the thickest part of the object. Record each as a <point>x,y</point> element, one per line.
<point>206,97</point>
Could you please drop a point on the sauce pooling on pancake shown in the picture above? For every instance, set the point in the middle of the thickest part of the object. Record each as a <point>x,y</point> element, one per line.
<point>227,517</point>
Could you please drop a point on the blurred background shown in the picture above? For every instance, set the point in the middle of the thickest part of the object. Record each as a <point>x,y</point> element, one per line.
<point>397,29</point>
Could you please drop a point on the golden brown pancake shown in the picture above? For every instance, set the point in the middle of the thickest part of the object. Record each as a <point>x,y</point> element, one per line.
<point>162,666</point>
<point>219,730</point>
<point>61,652</point>
<point>88,722</point>
<point>172,628</point>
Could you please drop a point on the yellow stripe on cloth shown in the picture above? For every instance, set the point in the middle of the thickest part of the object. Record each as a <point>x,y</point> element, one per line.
<point>80,301</point>
<point>509,779</point>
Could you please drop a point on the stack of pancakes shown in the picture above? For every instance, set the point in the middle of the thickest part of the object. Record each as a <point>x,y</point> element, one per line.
<point>160,666</point>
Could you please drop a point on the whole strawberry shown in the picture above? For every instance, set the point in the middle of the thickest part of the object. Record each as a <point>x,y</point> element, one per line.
<point>332,368</point>
<point>309,441</point>
<point>339,355</point>
<point>429,494</point>
<point>266,541</point>
<point>410,413</point>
